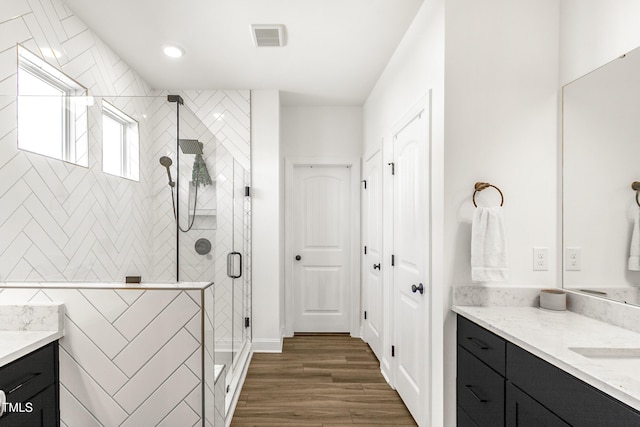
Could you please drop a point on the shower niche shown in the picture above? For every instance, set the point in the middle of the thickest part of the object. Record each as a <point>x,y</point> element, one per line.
<point>203,213</point>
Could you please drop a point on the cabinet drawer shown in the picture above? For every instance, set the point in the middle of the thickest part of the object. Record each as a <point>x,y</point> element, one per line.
<point>571,399</point>
<point>523,411</point>
<point>480,390</point>
<point>485,345</point>
<point>24,378</point>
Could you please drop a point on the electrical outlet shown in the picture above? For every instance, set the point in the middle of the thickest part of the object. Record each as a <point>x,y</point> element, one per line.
<point>573,259</point>
<point>540,259</point>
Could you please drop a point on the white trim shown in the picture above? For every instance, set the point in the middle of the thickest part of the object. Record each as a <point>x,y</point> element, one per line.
<point>267,345</point>
<point>354,164</point>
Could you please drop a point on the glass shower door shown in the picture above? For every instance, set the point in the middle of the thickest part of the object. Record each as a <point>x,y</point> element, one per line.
<point>232,284</point>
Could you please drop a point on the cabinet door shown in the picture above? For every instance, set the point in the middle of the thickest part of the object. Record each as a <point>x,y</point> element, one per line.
<point>524,411</point>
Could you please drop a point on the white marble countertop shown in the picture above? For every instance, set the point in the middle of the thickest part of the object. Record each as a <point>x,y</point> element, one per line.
<point>550,335</point>
<point>109,285</point>
<point>27,327</point>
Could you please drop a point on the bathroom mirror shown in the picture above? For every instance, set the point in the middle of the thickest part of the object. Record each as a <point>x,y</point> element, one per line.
<point>601,160</point>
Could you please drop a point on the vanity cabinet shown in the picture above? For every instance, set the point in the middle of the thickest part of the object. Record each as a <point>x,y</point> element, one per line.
<point>31,386</point>
<point>500,384</point>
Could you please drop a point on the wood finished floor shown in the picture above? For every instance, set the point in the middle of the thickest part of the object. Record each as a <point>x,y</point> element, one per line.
<point>319,380</point>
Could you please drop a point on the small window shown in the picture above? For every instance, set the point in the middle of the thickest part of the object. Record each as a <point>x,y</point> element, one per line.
<point>120,143</point>
<point>52,111</point>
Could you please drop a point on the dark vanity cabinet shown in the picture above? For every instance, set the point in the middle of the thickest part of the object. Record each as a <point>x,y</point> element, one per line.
<point>500,384</point>
<point>31,386</point>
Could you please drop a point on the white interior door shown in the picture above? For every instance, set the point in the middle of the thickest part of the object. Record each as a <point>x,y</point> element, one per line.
<point>372,238</point>
<point>410,249</point>
<point>322,248</point>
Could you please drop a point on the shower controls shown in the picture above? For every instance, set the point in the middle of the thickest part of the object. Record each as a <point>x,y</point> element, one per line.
<point>203,246</point>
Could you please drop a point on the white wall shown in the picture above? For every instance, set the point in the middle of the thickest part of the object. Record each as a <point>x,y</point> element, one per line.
<point>267,286</point>
<point>416,68</point>
<point>501,126</point>
<point>321,131</point>
<point>594,32</point>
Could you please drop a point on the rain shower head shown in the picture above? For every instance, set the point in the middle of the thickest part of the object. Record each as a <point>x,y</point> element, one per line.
<point>190,146</point>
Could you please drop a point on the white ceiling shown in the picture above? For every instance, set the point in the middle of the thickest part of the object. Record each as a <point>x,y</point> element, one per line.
<point>335,52</point>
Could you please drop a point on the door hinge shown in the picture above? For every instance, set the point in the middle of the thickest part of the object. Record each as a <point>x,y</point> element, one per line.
<point>393,351</point>
<point>393,260</point>
<point>365,315</point>
<point>247,191</point>
<point>365,250</point>
<point>393,168</point>
<point>364,182</point>
<point>247,322</point>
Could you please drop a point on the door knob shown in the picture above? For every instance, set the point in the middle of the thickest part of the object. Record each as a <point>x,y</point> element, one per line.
<point>298,257</point>
<point>415,288</point>
<point>376,266</point>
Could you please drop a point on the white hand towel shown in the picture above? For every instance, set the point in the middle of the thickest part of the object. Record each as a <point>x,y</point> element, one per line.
<point>488,246</point>
<point>634,250</point>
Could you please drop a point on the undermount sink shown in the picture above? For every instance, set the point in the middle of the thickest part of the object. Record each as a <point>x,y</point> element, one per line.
<point>624,358</point>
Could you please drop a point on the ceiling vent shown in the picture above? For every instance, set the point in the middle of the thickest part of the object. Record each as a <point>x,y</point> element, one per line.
<point>268,35</point>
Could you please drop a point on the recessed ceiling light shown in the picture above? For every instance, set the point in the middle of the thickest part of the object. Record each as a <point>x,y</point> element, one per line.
<point>173,51</point>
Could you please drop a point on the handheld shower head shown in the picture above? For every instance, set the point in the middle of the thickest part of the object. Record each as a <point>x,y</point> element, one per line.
<point>167,162</point>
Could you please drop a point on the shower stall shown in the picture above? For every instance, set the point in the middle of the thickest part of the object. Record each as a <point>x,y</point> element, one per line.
<point>172,211</point>
<point>213,232</point>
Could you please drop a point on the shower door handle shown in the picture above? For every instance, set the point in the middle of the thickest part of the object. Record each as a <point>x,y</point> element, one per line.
<point>231,265</point>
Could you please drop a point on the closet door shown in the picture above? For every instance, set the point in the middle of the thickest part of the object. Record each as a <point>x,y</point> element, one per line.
<point>372,258</point>
<point>410,253</point>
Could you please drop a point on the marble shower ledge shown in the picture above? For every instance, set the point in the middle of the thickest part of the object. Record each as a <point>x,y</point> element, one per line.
<point>549,335</point>
<point>27,327</point>
<point>108,285</point>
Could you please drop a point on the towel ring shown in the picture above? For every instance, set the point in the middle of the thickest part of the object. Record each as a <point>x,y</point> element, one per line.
<point>479,186</point>
<point>635,186</point>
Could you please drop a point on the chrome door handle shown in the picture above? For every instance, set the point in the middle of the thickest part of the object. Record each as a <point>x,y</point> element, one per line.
<point>415,288</point>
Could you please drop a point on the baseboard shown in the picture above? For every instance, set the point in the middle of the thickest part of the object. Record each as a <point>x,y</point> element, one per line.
<point>266,345</point>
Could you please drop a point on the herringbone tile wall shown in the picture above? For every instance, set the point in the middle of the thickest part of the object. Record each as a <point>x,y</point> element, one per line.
<point>130,357</point>
<point>62,222</point>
